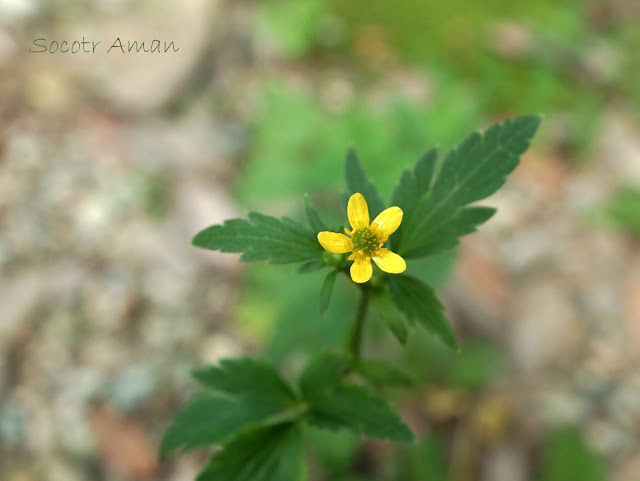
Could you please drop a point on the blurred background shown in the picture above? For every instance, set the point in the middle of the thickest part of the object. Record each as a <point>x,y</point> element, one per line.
<point>111,161</point>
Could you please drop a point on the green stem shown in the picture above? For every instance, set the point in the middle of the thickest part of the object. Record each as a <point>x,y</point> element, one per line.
<point>355,337</point>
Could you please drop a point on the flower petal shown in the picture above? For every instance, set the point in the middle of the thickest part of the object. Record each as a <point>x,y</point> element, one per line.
<point>389,261</point>
<point>361,269</point>
<point>388,221</point>
<point>358,212</point>
<point>335,243</point>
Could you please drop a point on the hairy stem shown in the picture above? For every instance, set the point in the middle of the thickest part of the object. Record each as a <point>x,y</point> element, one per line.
<point>355,337</point>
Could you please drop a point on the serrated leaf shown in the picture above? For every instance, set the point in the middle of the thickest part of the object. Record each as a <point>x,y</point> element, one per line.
<point>445,236</point>
<point>357,182</point>
<point>244,376</point>
<point>412,185</point>
<point>435,209</point>
<point>382,373</point>
<point>420,304</point>
<point>279,241</point>
<point>211,419</point>
<point>354,407</point>
<point>335,404</point>
<point>383,308</point>
<point>315,222</point>
<point>433,270</point>
<point>272,453</point>
<point>242,393</point>
<point>326,290</point>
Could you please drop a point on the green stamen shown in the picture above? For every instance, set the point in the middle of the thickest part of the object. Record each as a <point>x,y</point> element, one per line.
<point>365,241</point>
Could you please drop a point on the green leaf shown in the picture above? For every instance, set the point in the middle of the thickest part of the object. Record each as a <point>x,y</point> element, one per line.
<point>334,451</point>
<point>326,290</point>
<point>272,453</point>
<point>357,182</point>
<point>621,211</point>
<point>315,222</point>
<point>323,371</point>
<point>335,404</point>
<point>435,209</point>
<point>434,270</point>
<point>279,241</point>
<point>291,24</point>
<point>475,366</point>
<point>413,185</point>
<point>311,266</point>
<point>383,308</point>
<point>463,222</point>
<point>567,458</point>
<point>381,373</point>
<point>419,303</point>
<point>210,419</point>
<point>425,460</point>
<point>245,376</point>
<point>354,407</point>
<point>242,393</point>
<point>479,166</point>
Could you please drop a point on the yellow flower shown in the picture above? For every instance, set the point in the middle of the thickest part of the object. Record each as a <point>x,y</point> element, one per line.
<point>366,240</point>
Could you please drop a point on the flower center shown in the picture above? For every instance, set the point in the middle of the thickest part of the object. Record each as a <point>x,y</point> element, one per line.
<point>365,241</point>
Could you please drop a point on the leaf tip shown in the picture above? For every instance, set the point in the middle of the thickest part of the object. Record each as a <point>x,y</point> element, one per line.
<point>196,240</point>
<point>534,121</point>
<point>351,159</point>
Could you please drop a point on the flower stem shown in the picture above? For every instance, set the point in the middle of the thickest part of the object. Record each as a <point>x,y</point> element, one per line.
<point>355,337</point>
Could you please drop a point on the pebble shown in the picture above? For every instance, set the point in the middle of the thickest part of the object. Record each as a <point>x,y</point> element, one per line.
<point>132,386</point>
<point>12,425</point>
<point>548,326</point>
<point>505,463</point>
